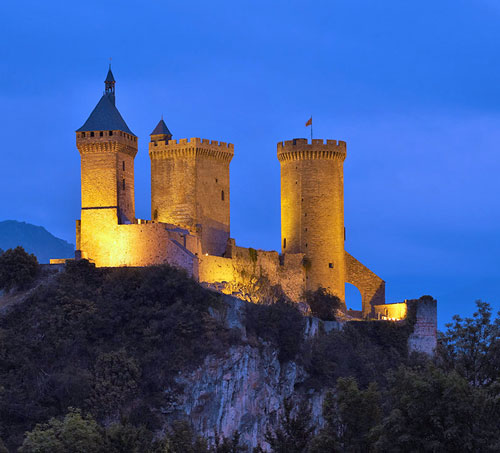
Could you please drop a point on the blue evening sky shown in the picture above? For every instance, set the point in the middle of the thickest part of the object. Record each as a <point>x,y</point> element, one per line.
<point>413,87</point>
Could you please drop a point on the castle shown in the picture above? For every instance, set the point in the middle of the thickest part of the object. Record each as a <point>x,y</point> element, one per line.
<point>190,206</point>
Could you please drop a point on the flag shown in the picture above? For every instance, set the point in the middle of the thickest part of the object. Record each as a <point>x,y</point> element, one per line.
<point>309,122</point>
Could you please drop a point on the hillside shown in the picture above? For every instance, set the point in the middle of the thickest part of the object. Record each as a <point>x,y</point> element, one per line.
<point>141,350</point>
<point>34,239</point>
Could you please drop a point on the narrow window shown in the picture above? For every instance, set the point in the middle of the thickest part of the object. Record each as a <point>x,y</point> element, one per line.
<point>91,134</point>
<point>83,134</point>
<point>110,133</point>
<point>222,195</point>
<point>284,243</point>
<point>305,215</point>
<point>305,229</point>
<point>123,164</point>
<point>306,244</point>
<point>216,180</point>
<point>101,133</point>
<point>330,265</point>
<point>123,184</point>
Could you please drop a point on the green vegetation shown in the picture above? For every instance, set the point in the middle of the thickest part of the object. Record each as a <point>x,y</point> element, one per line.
<point>253,254</point>
<point>280,323</point>
<point>448,404</point>
<point>323,305</point>
<point>102,340</point>
<point>18,269</point>
<point>87,358</point>
<point>76,433</point>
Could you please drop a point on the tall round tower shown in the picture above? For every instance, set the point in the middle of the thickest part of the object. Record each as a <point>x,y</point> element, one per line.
<point>312,209</point>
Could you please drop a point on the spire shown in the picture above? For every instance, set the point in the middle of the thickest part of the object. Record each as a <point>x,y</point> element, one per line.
<point>109,85</point>
<point>162,130</point>
<point>105,115</point>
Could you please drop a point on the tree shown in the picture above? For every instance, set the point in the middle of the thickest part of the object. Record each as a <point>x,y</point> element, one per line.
<point>471,346</point>
<point>75,434</point>
<point>323,304</point>
<point>229,445</point>
<point>295,432</point>
<point>182,439</point>
<point>434,411</point>
<point>350,417</point>
<point>18,269</point>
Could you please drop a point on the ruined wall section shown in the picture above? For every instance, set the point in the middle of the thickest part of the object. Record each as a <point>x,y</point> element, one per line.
<point>190,188</point>
<point>424,336</point>
<point>370,285</point>
<point>253,275</point>
<point>312,209</point>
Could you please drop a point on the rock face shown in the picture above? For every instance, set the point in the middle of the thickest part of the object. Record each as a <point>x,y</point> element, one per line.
<point>244,390</point>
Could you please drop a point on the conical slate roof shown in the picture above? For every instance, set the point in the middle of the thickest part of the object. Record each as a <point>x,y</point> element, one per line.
<point>161,129</point>
<point>105,117</point>
<point>109,77</point>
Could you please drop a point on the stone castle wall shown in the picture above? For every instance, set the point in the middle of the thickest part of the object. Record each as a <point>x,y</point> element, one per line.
<point>251,274</point>
<point>190,187</point>
<point>424,336</point>
<point>109,244</point>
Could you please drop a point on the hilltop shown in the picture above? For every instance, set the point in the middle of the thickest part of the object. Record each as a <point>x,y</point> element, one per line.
<point>147,353</point>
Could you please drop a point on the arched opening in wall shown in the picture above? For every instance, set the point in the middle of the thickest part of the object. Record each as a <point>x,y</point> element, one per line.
<point>353,298</point>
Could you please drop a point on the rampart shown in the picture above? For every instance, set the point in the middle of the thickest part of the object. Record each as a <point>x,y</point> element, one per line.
<point>254,275</point>
<point>193,147</point>
<point>300,148</point>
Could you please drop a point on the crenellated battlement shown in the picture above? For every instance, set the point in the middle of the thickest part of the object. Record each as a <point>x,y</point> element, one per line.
<point>301,148</point>
<point>184,147</point>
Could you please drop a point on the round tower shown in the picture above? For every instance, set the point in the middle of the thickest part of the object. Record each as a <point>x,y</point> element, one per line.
<point>312,209</point>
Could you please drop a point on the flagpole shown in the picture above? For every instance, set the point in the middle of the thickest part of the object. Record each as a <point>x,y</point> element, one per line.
<point>311,129</point>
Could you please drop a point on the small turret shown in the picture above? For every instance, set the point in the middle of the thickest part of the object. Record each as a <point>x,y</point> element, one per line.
<point>161,132</point>
<point>109,86</point>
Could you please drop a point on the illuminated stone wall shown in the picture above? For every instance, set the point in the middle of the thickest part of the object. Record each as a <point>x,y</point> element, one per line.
<point>312,209</point>
<point>109,244</point>
<point>391,312</point>
<point>190,188</point>
<point>107,171</point>
<point>251,274</point>
<point>371,286</point>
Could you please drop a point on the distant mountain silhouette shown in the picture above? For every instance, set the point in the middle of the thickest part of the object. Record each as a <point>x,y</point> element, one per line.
<point>34,239</point>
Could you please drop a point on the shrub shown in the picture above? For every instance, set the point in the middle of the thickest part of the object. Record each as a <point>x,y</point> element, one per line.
<point>323,304</point>
<point>18,269</point>
<point>281,323</point>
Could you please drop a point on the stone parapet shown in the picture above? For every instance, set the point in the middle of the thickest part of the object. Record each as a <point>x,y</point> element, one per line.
<point>192,147</point>
<point>300,148</point>
<point>108,142</point>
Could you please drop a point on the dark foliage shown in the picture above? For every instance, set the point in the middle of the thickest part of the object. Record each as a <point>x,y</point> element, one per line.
<point>323,305</point>
<point>430,410</point>
<point>280,323</point>
<point>295,430</point>
<point>363,349</point>
<point>471,346</point>
<point>18,269</point>
<point>100,338</point>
